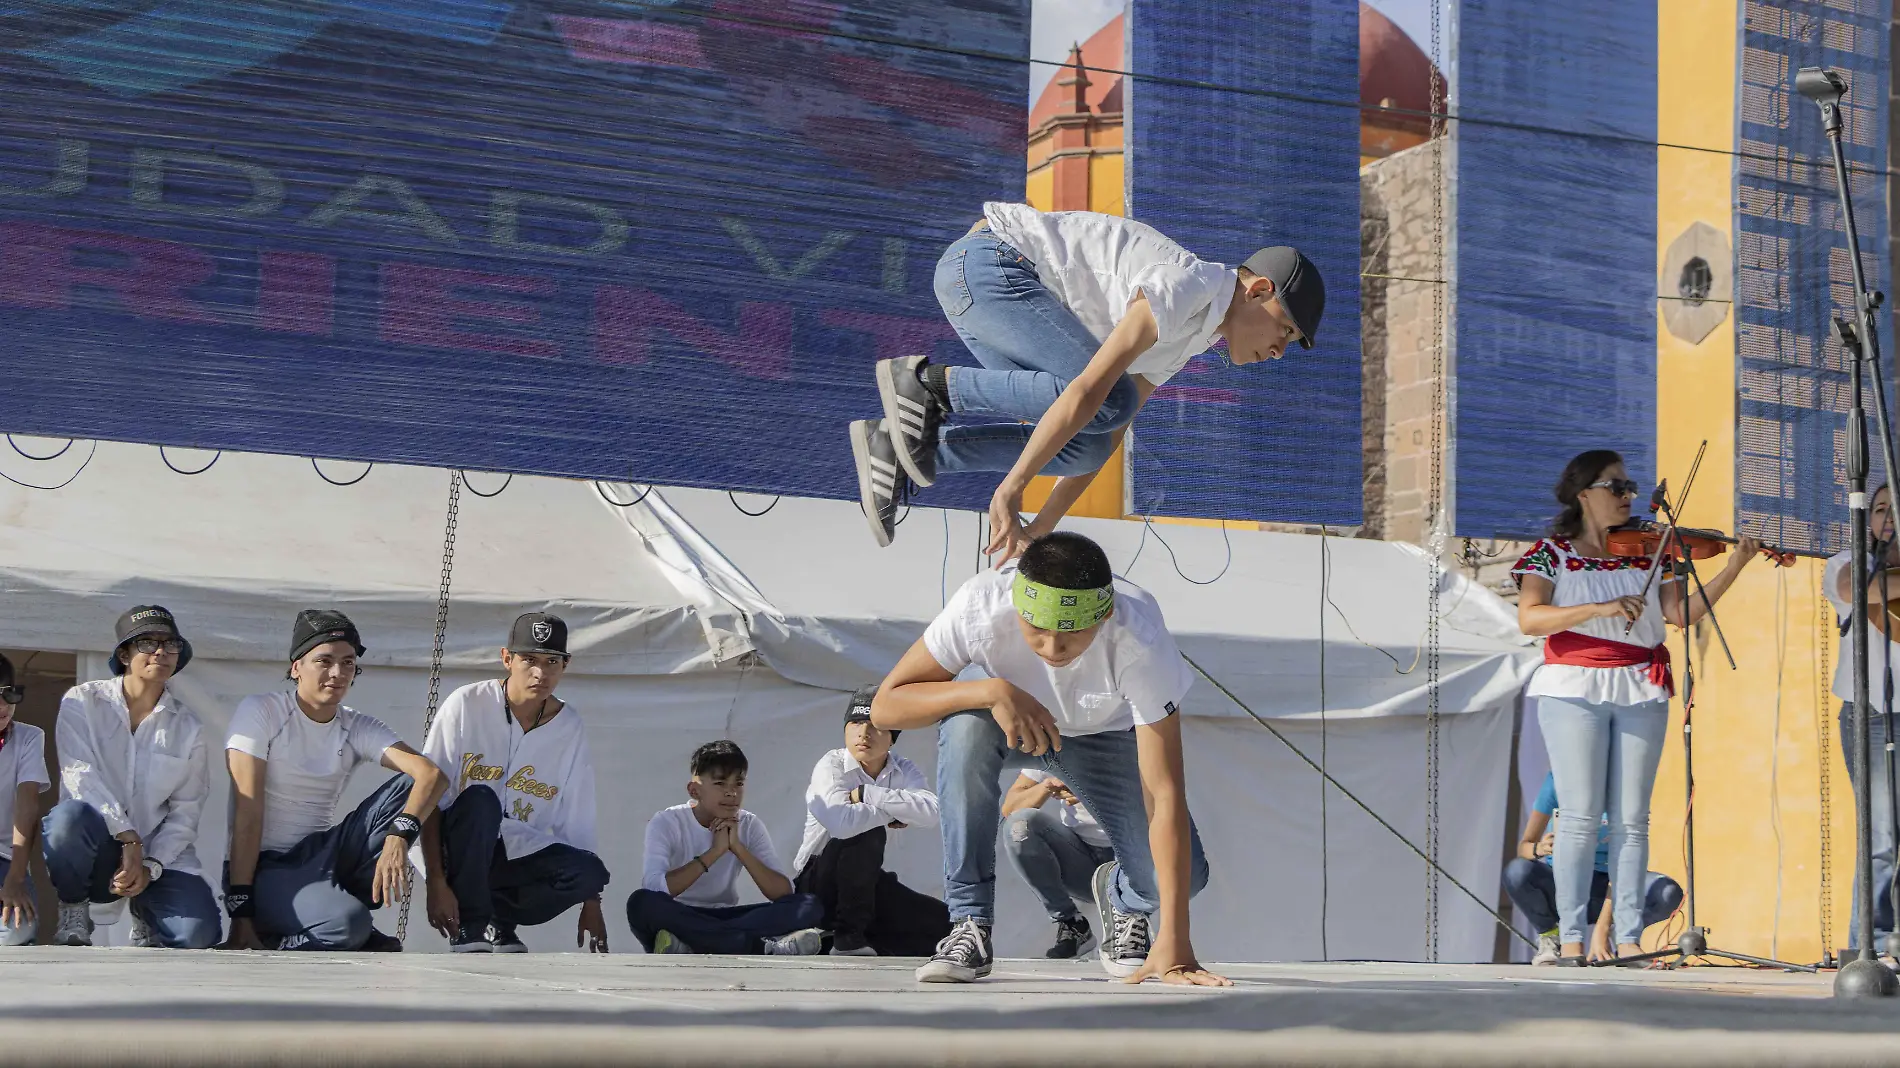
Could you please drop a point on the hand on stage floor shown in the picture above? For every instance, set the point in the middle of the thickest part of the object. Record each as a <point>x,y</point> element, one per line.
<point>243,936</point>
<point>592,935</point>
<point>16,898</point>
<point>1600,948</point>
<point>1177,967</point>
<point>445,913</point>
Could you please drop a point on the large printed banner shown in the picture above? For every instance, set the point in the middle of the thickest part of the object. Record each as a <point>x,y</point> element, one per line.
<point>661,241</point>
<point>1237,141</point>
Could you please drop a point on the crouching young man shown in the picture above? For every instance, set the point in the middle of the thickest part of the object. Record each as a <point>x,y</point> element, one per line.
<point>22,779</point>
<point>512,843</point>
<point>858,796</point>
<point>297,880</point>
<point>688,901</point>
<point>1085,683</point>
<point>133,766</point>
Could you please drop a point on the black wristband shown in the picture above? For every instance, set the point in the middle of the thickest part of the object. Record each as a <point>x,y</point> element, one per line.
<point>238,903</point>
<point>404,826</point>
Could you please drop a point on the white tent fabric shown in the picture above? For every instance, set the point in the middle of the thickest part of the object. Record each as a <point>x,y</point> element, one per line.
<point>692,622</point>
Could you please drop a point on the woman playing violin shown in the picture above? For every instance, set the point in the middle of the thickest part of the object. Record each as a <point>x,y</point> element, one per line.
<point>1603,690</point>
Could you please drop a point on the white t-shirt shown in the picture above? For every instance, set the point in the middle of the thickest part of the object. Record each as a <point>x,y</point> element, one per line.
<point>22,761</point>
<point>1844,650</point>
<point>674,837</point>
<point>1131,673</point>
<point>1076,817</point>
<point>310,762</point>
<point>1095,264</point>
<point>1591,580</point>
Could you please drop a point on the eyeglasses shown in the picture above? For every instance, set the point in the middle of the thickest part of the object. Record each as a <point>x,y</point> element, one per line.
<point>1621,487</point>
<point>153,646</point>
<point>12,695</point>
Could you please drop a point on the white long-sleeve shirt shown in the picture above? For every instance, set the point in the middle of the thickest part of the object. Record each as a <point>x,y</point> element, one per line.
<point>544,777</point>
<point>154,780</point>
<point>896,793</point>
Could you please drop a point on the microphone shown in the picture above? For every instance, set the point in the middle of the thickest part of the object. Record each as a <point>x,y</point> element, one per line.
<point>1659,499</point>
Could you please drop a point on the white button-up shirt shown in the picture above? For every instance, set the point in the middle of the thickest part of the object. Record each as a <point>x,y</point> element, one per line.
<point>896,793</point>
<point>154,780</point>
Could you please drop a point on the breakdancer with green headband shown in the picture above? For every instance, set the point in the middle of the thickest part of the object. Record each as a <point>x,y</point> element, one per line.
<point>1084,682</point>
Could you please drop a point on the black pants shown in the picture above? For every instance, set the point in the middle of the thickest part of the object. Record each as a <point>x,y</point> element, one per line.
<point>490,885</point>
<point>862,899</point>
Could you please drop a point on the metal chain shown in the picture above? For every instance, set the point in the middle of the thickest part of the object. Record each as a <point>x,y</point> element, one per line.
<point>435,657</point>
<point>1824,622</point>
<point>1435,504</point>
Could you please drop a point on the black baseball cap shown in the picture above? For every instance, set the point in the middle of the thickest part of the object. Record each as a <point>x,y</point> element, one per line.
<point>538,632</point>
<point>145,621</point>
<point>1297,283</point>
<point>320,626</point>
<point>859,710</point>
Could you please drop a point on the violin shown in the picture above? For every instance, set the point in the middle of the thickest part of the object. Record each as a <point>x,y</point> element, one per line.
<point>1643,537</point>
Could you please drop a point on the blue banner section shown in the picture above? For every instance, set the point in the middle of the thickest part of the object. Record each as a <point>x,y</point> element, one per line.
<point>1555,301</point>
<point>1793,271</point>
<point>1230,150</point>
<point>656,241</point>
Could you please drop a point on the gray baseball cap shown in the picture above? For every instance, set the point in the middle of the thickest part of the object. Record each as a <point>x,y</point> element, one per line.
<point>1296,281</point>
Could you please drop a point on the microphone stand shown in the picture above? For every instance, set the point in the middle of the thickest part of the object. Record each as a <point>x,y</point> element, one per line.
<point>1864,977</point>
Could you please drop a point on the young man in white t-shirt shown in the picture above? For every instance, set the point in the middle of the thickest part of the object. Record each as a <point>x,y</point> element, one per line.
<point>296,880</point>
<point>1056,854</point>
<point>22,779</point>
<point>1883,655</point>
<point>688,901</point>
<point>1084,682</point>
<point>1076,318</point>
<point>860,795</point>
<point>512,843</point>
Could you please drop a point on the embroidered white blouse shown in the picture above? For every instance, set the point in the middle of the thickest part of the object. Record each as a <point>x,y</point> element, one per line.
<point>1583,579</point>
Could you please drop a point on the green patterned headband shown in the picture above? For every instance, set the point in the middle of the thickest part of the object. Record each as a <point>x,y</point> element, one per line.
<point>1053,608</point>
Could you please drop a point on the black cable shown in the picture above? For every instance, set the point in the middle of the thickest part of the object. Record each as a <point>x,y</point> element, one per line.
<point>334,482</point>
<point>1354,798</point>
<point>62,485</point>
<point>181,471</point>
<point>504,486</point>
<point>1146,523</point>
<point>662,14</point>
<point>30,456</point>
<point>742,510</point>
<point>598,488</point>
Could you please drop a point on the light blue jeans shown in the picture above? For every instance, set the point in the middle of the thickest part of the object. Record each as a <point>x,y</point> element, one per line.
<point>1604,758</point>
<point>1882,819</point>
<point>1103,771</point>
<point>1031,347</point>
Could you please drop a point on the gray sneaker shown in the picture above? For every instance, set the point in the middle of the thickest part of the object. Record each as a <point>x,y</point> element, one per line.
<point>1124,947</point>
<point>1548,949</point>
<point>75,924</point>
<point>142,935</point>
<point>805,943</point>
<point>912,414</point>
<point>883,487</point>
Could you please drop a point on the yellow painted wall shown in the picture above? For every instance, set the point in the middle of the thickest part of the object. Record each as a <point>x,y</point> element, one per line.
<point>1104,497</point>
<point>1757,783</point>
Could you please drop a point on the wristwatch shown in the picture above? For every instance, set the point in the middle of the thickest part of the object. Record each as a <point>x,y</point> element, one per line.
<point>153,869</point>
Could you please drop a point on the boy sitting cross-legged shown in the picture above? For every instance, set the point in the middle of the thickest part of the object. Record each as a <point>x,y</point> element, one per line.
<point>688,901</point>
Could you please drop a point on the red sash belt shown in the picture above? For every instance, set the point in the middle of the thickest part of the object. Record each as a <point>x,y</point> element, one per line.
<point>1581,650</point>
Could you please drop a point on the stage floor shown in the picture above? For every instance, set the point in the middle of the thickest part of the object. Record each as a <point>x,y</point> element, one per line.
<point>149,1007</point>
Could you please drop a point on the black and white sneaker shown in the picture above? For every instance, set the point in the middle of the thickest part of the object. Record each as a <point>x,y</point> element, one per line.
<point>471,939</point>
<point>503,937</point>
<point>382,943</point>
<point>1073,938</point>
<point>1125,936</point>
<point>913,413</point>
<point>962,957</point>
<point>883,487</point>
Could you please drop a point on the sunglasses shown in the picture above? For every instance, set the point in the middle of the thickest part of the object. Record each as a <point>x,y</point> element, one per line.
<point>1620,487</point>
<point>12,695</point>
<point>151,646</point>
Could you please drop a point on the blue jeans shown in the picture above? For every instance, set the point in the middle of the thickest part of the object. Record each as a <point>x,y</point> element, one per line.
<point>1604,758</point>
<point>516,891</point>
<point>1882,819</point>
<point>1030,347</point>
<point>713,929</point>
<point>1533,889</point>
<point>1053,859</point>
<point>81,858</point>
<point>1101,769</point>
<point>320,887</point>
